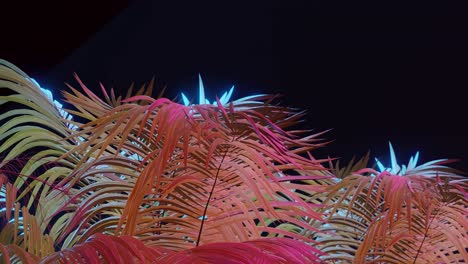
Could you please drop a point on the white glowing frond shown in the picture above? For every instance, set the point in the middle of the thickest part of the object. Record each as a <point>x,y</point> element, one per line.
<point>223,98</point>
<point>228,96</point>
<point>380,165</point>
<point>201,91</point>
<point>185,99</point>
<point>202,96</point>
<point>428,169</point>
<point>56,103</point>
<point>432,168</point>
<point>413,161</point>
<point>395,168</point>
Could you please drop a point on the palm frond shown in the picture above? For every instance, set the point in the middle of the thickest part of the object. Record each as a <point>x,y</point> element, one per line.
<point>388,218</point>
<point>142,179</point>
<point>273,250</point>
<point>213,166</point>
<point>31,142</point>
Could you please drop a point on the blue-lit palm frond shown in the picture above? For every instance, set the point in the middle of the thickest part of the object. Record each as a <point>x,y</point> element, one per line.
<point>428,169</point>
<point>395,168</point>
<point>224,99</point>
<point>56,103</point>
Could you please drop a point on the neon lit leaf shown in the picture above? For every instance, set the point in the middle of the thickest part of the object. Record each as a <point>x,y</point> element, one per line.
<point>202,97</point>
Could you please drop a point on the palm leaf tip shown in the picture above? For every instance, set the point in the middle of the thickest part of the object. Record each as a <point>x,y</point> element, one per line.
<point>202,100</point>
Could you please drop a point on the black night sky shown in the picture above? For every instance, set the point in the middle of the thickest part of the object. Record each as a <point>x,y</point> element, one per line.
<point>372,72</point>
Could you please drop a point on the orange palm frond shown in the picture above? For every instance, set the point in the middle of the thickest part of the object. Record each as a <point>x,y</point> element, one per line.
<point>145,179</point>
<point>212,166</point>
<point>382,217</point>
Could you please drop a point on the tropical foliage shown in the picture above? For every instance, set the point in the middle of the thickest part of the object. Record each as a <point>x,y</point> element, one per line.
<point>148,180</point>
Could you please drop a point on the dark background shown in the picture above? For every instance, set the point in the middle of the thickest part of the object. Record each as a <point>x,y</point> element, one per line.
<point>372,72</point>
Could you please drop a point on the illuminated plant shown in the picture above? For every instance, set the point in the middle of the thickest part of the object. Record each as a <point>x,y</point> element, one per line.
<point>143,171</point>
<point>401,214</point>
<point>139,179</point>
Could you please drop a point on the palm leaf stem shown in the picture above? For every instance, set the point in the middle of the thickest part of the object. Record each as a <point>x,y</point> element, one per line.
<point>425,236</point>
<point>209,198</point>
